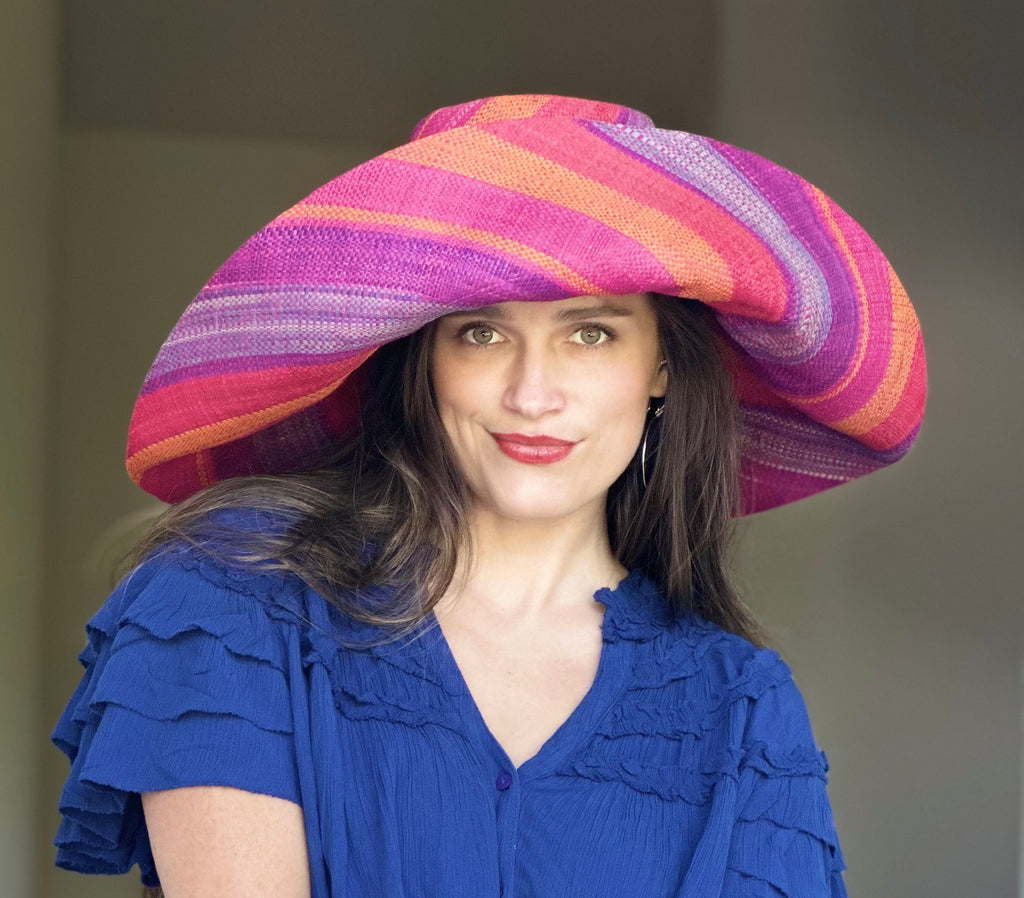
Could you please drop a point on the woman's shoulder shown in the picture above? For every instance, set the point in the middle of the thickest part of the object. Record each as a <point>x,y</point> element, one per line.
<point>686,645</point>
<point>731,705</point>
<point>181,587</point>
<point>188,596</point>
<point>186,682</point>
<point>184,619</point>
<point>218,573</point>
<point>728,660</point>
<point>689,674</point>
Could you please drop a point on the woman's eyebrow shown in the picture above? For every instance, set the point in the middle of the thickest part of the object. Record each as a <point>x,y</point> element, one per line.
<point>603,311</point>
<point>500,313</point>
<point>495,311</point>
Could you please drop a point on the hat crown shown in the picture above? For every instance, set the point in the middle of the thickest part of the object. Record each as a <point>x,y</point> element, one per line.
<point>522,106</point>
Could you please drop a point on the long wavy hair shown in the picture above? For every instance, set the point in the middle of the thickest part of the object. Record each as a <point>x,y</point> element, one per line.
<point>391,508</point>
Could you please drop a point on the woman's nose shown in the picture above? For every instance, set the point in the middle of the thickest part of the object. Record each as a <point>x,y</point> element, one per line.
<point>535,385</point>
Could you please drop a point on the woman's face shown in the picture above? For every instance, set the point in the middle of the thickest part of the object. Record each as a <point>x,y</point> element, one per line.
<point>545,402</point>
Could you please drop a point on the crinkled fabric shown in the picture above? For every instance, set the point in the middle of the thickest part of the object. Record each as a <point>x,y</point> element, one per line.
<point>689,769</point>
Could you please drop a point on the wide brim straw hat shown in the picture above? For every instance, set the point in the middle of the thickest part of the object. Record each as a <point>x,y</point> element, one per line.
<point>541,198</point>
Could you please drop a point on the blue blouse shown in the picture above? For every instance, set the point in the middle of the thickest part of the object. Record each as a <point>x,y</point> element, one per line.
<point>689,769</point>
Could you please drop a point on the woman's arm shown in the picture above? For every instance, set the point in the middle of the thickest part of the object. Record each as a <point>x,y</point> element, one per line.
<point>217,842</point>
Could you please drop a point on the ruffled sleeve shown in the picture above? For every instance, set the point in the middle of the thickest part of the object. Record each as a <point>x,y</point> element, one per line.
<point>185,685</point>
<point>784,841</point>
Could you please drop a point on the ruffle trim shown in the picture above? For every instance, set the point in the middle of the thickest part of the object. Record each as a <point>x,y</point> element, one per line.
<point>637,714</point>
<point>742,885</point>
<point>397,690</point>
<point>677,781</point>
<point>697,690</point>
<point>103,831</point>
<point>406,688</point>
<point>327,632</point>
<point>160,652</point>
<point>678,652</point>
<point>671,782</point>
<point>786,838</point>
<point>328,637</point>
<point>635,610</point>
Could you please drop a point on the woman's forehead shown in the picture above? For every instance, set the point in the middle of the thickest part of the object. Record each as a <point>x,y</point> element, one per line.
<point>575,308</point>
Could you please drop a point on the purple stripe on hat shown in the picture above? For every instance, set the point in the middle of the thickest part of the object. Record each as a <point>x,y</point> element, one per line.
<point>230,324</point>
<point>875,319</point>
<point>792,442</point>
<point>803,218</point>
<point>787,440</point>
<point>221,354</point>
<point>633,118</point>
<point>229,327</point>
<point>344,296</point>
<point>691,160</point>
<point>439,269</point>
<point>449,197</point>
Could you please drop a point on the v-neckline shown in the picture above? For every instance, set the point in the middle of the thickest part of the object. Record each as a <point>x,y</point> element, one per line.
<point>613,668</point>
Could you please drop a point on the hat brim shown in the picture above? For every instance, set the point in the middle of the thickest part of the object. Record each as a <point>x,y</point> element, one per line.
<point>262,372</point>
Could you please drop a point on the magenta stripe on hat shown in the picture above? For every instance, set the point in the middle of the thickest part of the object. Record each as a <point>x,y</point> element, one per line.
<point>802,217</point>
<point>532,106</point>
<point>589,155</point>
<point>450,197</point>
<point>437,268</point>
<point>693,161</point>
<point>447,118</point>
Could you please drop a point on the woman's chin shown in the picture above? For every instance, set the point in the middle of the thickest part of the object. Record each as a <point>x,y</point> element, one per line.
<point>538,506</point>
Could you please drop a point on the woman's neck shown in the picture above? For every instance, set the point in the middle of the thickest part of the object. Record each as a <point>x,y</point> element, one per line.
<point>536,566</point>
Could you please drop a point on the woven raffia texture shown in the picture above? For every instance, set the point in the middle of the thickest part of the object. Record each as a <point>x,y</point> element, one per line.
<point>538,197</point>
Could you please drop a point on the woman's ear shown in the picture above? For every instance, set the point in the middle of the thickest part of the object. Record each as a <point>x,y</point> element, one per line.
<point>660,387</point>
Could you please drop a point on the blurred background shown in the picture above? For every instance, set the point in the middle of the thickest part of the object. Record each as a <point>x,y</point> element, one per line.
<point>142,142</point>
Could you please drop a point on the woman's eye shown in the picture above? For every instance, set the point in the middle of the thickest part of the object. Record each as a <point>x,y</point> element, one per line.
<point>481,335</point>
<point>590,335</point>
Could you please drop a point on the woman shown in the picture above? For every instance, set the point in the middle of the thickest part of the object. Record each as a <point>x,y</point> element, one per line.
<point>441,608</point>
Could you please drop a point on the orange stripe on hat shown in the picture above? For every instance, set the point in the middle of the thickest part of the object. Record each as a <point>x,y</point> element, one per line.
<point>495,161</point>
<point>498,108</point>
<point>905,417</point>
<point>220,432</point>
<point>901,362</point>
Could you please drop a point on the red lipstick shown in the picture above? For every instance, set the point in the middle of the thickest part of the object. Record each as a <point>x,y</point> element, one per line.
<point>533,450</point>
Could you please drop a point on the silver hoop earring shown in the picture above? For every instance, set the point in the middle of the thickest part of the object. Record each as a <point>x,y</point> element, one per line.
<point>658,412</point>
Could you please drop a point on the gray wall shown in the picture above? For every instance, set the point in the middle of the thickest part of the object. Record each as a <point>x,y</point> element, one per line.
<point>895,599</point>
<point>144,219</point>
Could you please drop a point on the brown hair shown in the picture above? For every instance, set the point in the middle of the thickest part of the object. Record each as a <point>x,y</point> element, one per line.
<point>390,508</point>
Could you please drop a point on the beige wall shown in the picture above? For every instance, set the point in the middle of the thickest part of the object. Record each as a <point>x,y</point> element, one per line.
<point>28,110</point>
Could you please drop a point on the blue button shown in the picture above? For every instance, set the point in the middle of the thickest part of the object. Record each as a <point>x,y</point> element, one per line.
<point>503,782</point>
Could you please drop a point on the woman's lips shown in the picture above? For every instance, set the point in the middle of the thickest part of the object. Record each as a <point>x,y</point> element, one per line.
<point>533,450</point>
